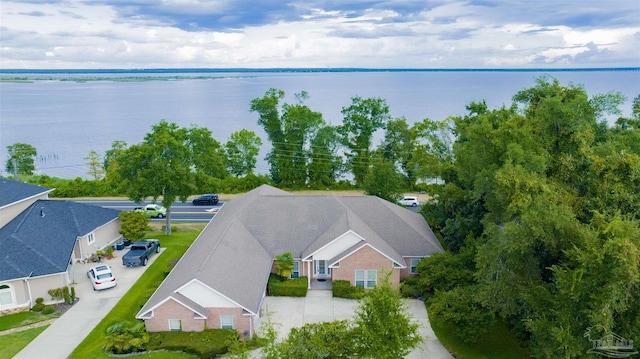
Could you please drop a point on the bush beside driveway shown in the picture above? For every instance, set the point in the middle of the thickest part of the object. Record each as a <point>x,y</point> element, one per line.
<point>320,306</point>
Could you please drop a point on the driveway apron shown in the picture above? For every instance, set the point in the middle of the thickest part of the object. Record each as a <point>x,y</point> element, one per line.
<point>320,306</point>
<point>66,332</point>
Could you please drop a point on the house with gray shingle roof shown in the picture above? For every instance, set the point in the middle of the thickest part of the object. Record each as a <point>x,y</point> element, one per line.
<point>40,242</point>
<point>221,280</point>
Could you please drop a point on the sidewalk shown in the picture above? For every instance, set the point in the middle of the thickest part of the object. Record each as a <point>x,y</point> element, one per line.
<point>66,332</point>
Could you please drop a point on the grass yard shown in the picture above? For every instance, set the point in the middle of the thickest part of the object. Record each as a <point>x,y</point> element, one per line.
<point>21,319</point>
<point>12,344</point>
<point>497,344</point>
<point>130,304</point>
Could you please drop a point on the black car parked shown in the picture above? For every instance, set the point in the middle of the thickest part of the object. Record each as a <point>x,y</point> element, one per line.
<point>206,199</point>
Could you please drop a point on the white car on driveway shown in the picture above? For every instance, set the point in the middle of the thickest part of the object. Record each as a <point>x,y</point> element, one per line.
<point>101,277</point>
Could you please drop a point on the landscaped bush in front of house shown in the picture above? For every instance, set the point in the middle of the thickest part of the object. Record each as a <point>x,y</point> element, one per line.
<point>281,287</point>
<point>209,343</point>
<point>409,288</point>
<point>344,289</point>
<point>48,309</point>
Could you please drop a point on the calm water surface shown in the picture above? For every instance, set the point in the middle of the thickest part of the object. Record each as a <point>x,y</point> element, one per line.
<point>64,120</point>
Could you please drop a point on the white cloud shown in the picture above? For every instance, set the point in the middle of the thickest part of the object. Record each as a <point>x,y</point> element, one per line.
<point>455,34</point>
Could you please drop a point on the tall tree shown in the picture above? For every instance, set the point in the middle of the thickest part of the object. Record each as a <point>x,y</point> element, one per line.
<point>290,129</point>
<point>95,163</point>
<point>111,161</point>
<point>383,180</point>
<point>159,167</point>
<point>21,159</point>
<point>398,146</point>
<point>242,152</point>
<point>325,164</point>
<point>360,121</point>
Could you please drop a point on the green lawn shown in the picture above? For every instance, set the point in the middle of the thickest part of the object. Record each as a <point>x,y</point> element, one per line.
<point>130,304</point>
<point>12,344</point>
<point>21,319</point>
<point>499,343</point>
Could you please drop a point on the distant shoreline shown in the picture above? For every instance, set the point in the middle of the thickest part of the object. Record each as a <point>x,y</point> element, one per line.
<point>182,74</point>
<point>300,70</point>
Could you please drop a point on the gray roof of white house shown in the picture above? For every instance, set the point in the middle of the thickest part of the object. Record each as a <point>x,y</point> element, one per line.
<point>16,191</point>
<point>234,253</point>
<point>40,240</point>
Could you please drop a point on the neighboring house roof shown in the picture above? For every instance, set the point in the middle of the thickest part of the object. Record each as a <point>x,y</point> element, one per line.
<point>235,252</point>
<point>15,191</point>
<point>40,240</point>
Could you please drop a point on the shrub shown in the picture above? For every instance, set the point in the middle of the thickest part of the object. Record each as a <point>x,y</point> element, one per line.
<point>409,288</point>
<point>48,309</point>
<point>278,286</point>
<point>38,307</point>
<point>39,300</point>
<point>344,289</point>
<point>210,343</point>
<point>126,337</point>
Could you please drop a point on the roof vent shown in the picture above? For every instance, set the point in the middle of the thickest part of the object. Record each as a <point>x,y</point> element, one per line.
<point>42,212</point>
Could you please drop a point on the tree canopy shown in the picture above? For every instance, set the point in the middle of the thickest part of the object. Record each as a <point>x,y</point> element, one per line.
<point>21,159</point>
<point>544,194</point>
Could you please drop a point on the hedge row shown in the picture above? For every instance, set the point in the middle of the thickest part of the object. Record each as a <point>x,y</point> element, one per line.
<point>344,289</point>
<point>279,287</point>
<point>210,343</point>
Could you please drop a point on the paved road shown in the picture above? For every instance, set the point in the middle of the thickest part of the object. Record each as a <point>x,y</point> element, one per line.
<point>66,332</point>
<point>180,212</point>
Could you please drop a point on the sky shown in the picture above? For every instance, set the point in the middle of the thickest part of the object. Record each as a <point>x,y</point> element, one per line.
<point>123,34</point>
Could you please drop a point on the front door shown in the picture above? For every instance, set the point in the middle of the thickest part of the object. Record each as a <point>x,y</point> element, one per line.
<point>321,269</point>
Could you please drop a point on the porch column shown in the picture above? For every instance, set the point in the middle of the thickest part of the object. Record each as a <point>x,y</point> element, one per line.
<point>308,275</point>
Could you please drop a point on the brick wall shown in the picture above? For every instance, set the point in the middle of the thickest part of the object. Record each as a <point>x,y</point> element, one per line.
<point>173,310</point>
<point>365,258</point>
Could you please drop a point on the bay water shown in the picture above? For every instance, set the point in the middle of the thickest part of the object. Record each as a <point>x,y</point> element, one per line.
<point>64,120</point>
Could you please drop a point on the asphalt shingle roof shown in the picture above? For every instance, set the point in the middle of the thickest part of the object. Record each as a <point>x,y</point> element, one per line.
<point>15,191</point>
<point>234,253</point>
<point>40,240</point>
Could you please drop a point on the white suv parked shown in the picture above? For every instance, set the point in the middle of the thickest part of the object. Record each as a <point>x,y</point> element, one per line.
<point>409,201</point>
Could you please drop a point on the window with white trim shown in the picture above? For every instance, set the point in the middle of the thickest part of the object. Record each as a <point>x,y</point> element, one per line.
<point>226,321</point>
<point>175,325</point>
<point>6,295</point>
<point>414,265</point>
<point>295,273</point>
<point>90,238</point>
<point>366,278</point>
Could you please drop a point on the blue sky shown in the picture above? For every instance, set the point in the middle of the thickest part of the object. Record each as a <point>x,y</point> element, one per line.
<point>319,33</point>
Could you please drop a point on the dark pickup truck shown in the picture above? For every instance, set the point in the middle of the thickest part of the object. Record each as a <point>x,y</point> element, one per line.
<point>140,252</point>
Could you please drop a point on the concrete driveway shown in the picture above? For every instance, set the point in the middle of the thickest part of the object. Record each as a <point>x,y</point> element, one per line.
<point>320,306</point>
<point>66,332</point>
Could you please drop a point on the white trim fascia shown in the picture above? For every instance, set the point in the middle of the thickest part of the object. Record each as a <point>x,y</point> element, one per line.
<point>150,310</point>
<point>400,266</point>
<point>211,289</point>
<point>28,198</point>
<point>333,241</point>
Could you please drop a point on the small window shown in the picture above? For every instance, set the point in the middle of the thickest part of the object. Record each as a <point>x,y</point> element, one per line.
<point>6,296</point>
<point>226,322</point>
<point>90,238</point>
<point>295,273</point>
<point>372,278</point>
<point>175,325</point>
<point>359,278</point>
<point>414,265</point>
